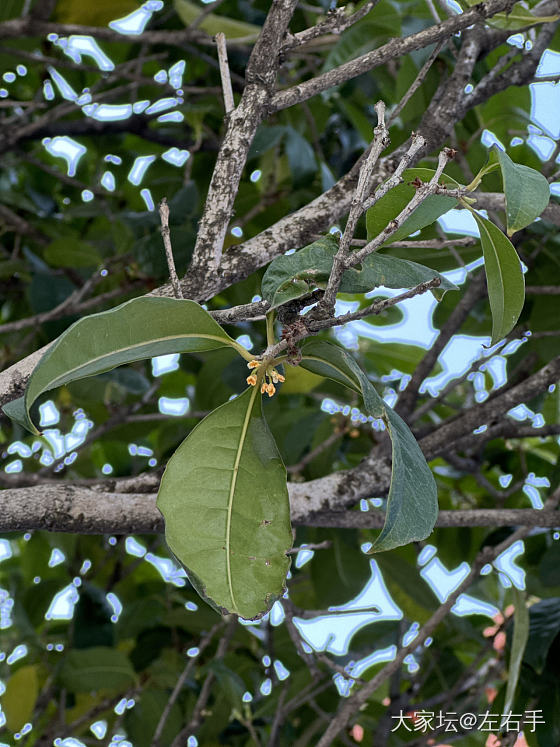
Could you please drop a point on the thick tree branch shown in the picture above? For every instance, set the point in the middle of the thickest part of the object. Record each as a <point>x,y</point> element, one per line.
<point>65,507</point>
<point>242,124</point>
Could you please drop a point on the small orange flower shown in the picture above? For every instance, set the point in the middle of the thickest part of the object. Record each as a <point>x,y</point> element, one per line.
<point>252,380</point>
<point>253,364</point>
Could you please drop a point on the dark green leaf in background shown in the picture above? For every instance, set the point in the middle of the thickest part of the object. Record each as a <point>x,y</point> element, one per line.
<point>97,668</point>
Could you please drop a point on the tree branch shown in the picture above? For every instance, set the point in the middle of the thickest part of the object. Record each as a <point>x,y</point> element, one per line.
<point>392,50</point>
<point>64,507</point>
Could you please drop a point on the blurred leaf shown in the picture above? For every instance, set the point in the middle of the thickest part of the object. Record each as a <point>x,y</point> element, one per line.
<point>362,37</point>
<point>231,684</point>
<point>225,503</point>
<point>142,720</point>
<point>544,626</point>
<point>549,568</point>
<point>98,668</point>
<point>341,571</point>
<point>96,14</point>
<point>18,701</point>
<point>516,18</point>
<point>92,618</point>
<point>506,285</point>
<point>301,157</point>
<point>214,23</point>
<point>65,253</point>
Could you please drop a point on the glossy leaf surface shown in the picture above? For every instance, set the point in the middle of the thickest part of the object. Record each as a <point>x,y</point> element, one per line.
<point>225,503</point>
<point>296,275</point>
<point>527,192</point>
<point>391,204</point>
<point>412,505</point>
<point>506,285</point>
<point>141,328</point>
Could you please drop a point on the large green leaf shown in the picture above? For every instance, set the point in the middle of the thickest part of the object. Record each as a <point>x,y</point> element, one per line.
<point>412,504</point>
<point>97,668</point>
<point>506,284</point>
<point>141,328</point>
<point>214,23</point>
<point>18,700</point>
<point>527,192</point>
<point>295,275</point>
<point>225,503</point>
<point>391,204</point>
<point>520,637</point>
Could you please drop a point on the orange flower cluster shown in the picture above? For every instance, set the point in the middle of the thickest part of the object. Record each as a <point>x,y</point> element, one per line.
<point>271,377</point>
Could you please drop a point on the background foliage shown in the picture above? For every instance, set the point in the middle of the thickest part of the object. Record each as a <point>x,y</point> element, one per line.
<point>71,246</point>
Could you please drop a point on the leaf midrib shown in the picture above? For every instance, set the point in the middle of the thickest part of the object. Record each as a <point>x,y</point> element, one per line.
<point>500,273</point>
<point>55,382</point>
<point>332,365</point>
<point>232,486</point>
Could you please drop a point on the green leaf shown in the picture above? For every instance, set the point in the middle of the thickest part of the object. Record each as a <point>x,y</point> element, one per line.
<point>544,626</point>
<point>141,722</point>
<point>231,684</point>
<point>93,14</point>
<point>97,668</point>
<point>391,204</point>
<point>506,284</point>
<point>383,21</point>
<point>70,253</point>
<point>520,637</point>
<point>214,23</point>
<point>295,275</point>
<point>517,18</point>
<point>227,519</point>
<point>301,157</point>
<point>412,504</point>
<point>140,328</point>
<point>18,701</point>
<point>527,192</point>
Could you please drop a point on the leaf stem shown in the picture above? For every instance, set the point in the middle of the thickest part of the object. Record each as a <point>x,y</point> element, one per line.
<point>270,329</point>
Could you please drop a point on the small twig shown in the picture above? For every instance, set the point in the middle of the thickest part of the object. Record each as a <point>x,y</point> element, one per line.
<point>418,80</point>
<point>380,142</point>
<point>310,456</point>
<point>224,72</point>
<point>311,546</point>
<point>375,308</point>
<point>164,216</point>
<point>180,682</point>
